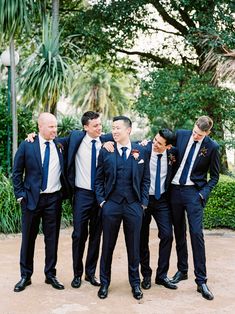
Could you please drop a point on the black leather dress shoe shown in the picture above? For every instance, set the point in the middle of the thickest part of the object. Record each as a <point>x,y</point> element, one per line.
<point>76,282</point>
<point>166,283</point>
<point>103,292</point>
<point>92,280</point>
<point>54,282</point>
<point>22,284</point>
<point>137,293</point>
<point>146,283</point>
<point>204,290</point>
<point>179,276</point>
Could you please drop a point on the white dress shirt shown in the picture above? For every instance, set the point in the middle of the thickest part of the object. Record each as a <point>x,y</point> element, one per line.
<point>153,171</point>
<point>128,151</point>
<point>181,167</point>
<point>54,171</point>
<point>83,162</point>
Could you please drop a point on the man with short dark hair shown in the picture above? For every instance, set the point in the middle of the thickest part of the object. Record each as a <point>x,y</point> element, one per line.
<point>190,189</point>
<point>162,158</point>
<point>83,150</point>
<point>122,185</point>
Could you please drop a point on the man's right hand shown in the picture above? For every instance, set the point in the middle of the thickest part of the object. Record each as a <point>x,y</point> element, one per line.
<point>30,137</point>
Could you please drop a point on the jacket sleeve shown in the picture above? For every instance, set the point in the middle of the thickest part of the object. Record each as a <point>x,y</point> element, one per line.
<point>18,171</point>
<point>100,178</point>
<point>145,184</point>
<point>214,173</point>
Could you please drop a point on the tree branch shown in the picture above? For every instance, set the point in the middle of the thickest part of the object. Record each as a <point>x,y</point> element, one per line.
<point>167,18</point>
<point>162,61</point>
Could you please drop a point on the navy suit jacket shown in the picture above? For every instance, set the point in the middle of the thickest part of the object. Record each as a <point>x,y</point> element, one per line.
<point>171,162</point>
<point>74,141</point>
<point>107,170</point>
<point>27,172</point>
<point>207,160</point>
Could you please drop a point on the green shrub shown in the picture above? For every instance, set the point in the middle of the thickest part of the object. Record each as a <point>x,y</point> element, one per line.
<point>220,209</point>
<point>10,212</point>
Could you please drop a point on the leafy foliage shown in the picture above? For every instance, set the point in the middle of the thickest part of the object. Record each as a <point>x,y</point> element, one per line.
<point>174,97</point>
<point>220,209</point>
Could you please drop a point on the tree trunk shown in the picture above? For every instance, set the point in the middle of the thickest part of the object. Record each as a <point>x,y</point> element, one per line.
<point>13,101</point>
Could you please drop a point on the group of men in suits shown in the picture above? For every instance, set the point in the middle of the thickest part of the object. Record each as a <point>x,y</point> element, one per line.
<point>126,183</point>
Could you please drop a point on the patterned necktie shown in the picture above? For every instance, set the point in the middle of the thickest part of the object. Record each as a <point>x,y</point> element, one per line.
<point>158,178</point>
<point>185,171</point>
<point>93,164</point>
<point>45,166</point>
<point>124,149</point>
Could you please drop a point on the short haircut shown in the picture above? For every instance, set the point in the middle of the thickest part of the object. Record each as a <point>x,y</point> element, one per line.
<point>204,123</point>
<point>89,115</point>
<point>168,135</point>
<point>125,119</point>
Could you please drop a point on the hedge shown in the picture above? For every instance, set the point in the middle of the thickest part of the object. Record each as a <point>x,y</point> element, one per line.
<point>220,208</point>
<point>219,211</point>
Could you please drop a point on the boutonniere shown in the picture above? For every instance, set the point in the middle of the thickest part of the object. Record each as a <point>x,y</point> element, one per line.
<point>60,147</point>
<point>172,159</point>
<point>203,151</point>
<point>135,153</point>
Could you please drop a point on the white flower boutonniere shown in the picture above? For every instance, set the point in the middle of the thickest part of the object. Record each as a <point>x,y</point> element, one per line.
<point>203,152</point>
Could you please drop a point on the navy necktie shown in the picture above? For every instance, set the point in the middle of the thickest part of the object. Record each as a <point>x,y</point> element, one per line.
<point>45,166</point>
<point>158,178</point>
<point>124,149</point>
<point>185,171</point>
<point>93,164</point>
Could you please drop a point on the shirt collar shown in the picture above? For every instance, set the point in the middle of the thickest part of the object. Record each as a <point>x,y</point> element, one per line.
<point>128,145</point>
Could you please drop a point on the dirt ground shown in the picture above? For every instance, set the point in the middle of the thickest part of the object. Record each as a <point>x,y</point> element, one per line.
<point>41,298</point>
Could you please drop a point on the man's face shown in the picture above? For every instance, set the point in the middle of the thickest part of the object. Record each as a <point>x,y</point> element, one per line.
<point>120,131</point>
<point>48,127</point>
<point>93,128</point>
<point>198,134</point>
<point>159,144</point>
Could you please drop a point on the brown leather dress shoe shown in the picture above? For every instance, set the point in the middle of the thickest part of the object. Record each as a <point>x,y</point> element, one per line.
<point>22,284</point>
<point>204,290</point>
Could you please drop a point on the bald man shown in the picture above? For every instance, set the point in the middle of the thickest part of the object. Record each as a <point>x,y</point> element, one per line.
<point>39,186</point>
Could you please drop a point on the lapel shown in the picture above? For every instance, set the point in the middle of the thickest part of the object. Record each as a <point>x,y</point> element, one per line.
<point>182,146</point>
<point>37,152</point>
<point>113,157</point>
<point>199,155</point>
<point>74,143</point>
<point>133,161</point>
<point>60,154</point>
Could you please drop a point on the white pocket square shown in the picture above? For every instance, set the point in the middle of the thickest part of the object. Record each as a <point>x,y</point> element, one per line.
<point>141,161</point>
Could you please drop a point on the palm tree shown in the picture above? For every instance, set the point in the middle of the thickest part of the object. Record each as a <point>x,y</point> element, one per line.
<point>47,73</point>
<point>102,91</point>
<point>13,19</point>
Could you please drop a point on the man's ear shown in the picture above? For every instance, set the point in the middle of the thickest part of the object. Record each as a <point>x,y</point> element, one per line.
<point>169,146</point>
<point>208,132</point>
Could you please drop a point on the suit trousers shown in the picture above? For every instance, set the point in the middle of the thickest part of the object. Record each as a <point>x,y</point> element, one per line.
<point>48,211</point>
<point>86,220</point>
<point>160,211</point>
<point>187,198</point>
<point>112,215</point>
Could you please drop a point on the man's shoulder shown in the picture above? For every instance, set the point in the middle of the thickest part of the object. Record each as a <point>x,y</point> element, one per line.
<point>211,142</point>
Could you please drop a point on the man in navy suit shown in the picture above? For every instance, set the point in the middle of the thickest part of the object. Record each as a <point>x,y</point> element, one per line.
<point>122,186</point>
<point>162,158</point>
<point>39,182</point>
<point>83,150</point>
<point>197,155</point>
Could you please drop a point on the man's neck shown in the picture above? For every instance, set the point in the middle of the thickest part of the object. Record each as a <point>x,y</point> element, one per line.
<point>124,142</point>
